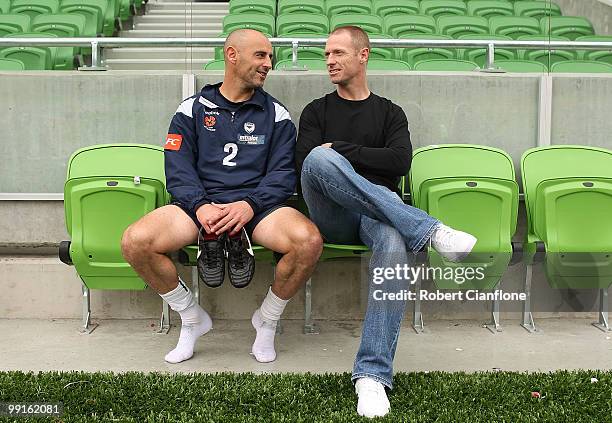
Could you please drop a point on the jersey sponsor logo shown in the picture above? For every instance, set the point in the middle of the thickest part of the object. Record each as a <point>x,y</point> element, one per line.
<point>209,123</point>
<point>173,142</point>
<point>252,139</point>
<point>211,112</point>
<point>249,127</point>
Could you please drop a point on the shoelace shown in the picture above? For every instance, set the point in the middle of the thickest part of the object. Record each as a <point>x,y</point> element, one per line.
<point>372,388</point>
<point>236,251</point>
<point>211,253</point>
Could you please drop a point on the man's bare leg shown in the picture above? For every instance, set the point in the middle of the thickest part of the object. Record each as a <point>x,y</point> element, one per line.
<point>145,245</point>
<point>286,231</point>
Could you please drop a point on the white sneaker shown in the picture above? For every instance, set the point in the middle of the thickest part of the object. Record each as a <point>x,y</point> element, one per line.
<point>451,244</point>
<point>372,400</point>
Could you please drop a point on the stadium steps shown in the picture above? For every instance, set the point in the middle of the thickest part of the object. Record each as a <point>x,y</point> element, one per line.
<point>169,19</point>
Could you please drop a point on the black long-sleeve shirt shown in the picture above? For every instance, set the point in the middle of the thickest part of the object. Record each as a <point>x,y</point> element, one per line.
<point>372,134</point>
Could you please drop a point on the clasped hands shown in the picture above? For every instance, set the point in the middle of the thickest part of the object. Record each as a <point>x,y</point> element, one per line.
<point>220,218</point>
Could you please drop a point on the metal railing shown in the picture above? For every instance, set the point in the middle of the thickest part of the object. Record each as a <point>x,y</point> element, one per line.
<point>97,44</point>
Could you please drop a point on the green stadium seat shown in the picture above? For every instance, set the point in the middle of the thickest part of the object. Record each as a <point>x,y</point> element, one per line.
<point>437,8</point>
<point>93,10</point>
<point>400,25</point>
<point>545,56</point>
<point>218,64</point>
<point>108,187</point>
<point>267,7</point>
<point>336,7</point>
<point>521,66</point>
<point>479,55</point>
<point>34,8</point>
<point>536,9</point>
<point>571,27</point>
<point>33,58</point>
<point>371,24</point>
<point>514,26</point>
<point>471,188</point>
<point>581,66</point>
<point>568,196</point>
<point>311,64</point>
<point>301,6</point>
<point>388,64</point>
<point>457,26</point>
<point>62,25</point>
<point>11,65</point>
<point>304,52</point>
<point>384,8</point>
<point>302,23</point>
<point>382,52</point>
<point>5,6</point>
<point>417,54</point>
<point>260,22</point>
<point>111,17</point>
<point>441,65</point>
<point>12,23</point>
<point>489,8</point>
<point>597,55</point>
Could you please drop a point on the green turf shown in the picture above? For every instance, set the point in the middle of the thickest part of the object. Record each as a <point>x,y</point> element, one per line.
<point>233,397</point>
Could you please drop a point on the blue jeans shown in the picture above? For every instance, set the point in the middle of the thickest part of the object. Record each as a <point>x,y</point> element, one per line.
<point>349,209</point>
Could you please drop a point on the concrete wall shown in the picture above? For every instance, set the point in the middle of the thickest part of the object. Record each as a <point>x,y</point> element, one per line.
<point>599,12</point>
<point>49,115</point>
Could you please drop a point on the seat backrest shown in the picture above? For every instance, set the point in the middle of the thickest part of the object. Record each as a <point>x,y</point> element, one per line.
<point>371,24</point>
<point>413,55</point>
<point>11,65</point>
<point>33,58</point>
<point>384,8</point>
<point>571,27</point>
<point>514,26</point>
<point>518,66</point>
<point>301,6</point>
<point>61,24</point>
<point>253,6</point>
<point>603,55</point>
<point>399,25</point>
<point>536,9</point>
<point>313,52</point>
<point>489,8</point>
<point>336,7</point>
<point>257,21</point>
<point>560,162</point>
<point>437,8</point>
<point>12,23</point>
<point>310,63</point>
<point>34,7</point>
<point>93,10</point>
<point>388,64</point>
<point>545,55</point>
<point>5,6</point>
<point>443,65</point>
<point>581,66</point>
<point>218,64</point>
<point>456,26</point>
<point>301,23</point>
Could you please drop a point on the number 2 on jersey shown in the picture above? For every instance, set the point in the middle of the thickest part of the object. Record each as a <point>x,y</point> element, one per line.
<point>232,149</point>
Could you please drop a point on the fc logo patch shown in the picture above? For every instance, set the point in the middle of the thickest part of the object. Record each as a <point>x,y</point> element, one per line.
<point>210,121</point>
<point>173,142</point>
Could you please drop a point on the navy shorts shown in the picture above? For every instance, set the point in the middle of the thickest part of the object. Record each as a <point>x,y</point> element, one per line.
<point>249,227</point>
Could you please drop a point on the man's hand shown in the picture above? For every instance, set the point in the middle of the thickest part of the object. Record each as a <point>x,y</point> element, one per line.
<point>210,214</point>
<point>237,215</point>
<point>327,145</point>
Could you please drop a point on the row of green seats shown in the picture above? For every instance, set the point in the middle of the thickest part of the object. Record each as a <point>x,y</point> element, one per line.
<point>40,58</point>
<point>486,8</point>
<point>445,65</point>
<point>571,27</point>
<point>101,15</point>
<point>568,198</point>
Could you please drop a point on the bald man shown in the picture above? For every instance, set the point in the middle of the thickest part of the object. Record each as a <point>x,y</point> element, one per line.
<point>229,162</point>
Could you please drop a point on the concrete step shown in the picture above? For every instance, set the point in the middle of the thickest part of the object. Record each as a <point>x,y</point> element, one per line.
<point>172,33</point>
<point>178,18</point>
<point>155,64</point>
<point>159,53</point>
<point>217,26</point>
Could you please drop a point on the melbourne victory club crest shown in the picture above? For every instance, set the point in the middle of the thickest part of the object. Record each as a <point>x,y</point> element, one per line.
<point>249,127</point>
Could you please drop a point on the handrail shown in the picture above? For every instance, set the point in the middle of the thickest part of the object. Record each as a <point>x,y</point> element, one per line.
<point>97,43</point>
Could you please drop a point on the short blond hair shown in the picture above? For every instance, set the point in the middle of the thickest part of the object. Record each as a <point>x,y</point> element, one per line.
<point>359,36</point>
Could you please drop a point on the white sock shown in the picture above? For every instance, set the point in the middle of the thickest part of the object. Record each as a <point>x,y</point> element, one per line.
<point>195,322</point>
<point>264,321</point>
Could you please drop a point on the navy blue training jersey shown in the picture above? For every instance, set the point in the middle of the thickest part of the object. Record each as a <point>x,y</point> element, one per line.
<point>218,151</point>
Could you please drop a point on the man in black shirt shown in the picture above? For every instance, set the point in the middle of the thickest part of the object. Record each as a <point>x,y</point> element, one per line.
<point>353,147</point>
